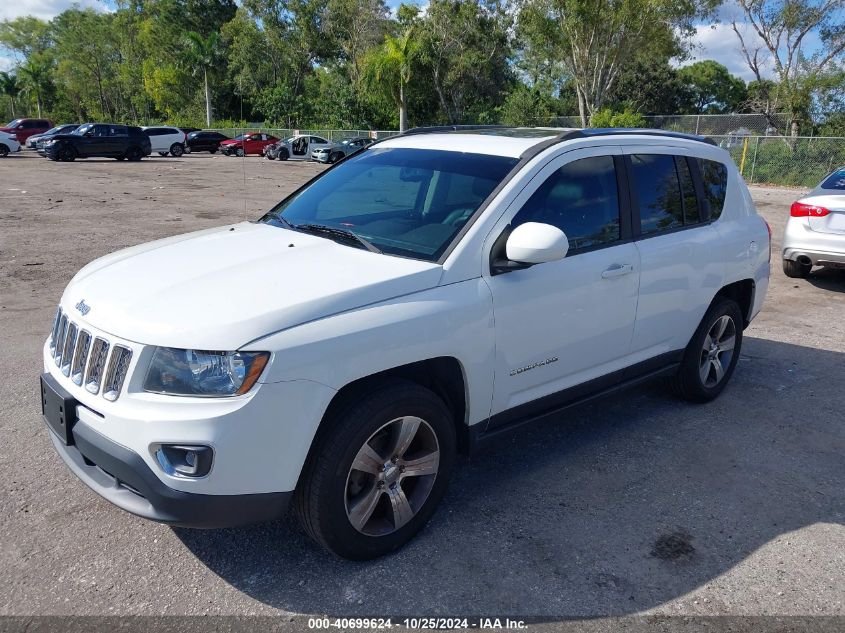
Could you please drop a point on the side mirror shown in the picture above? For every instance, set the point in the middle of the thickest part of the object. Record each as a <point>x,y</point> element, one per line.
<point>536,243</point>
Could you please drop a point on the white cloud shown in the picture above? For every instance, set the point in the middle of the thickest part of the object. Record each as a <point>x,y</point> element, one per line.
<point>6,63</point>
<point>719,42</point>
<point>46,9</point>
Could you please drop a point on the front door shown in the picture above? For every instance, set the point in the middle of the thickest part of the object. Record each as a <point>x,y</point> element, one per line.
<point>566,322</point>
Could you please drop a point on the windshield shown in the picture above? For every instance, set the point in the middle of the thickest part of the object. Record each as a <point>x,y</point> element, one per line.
<point>14,123</point>
<point>408,202</point>
<point>53,130</point>
<point>835,181</point>
<point>83,128</point>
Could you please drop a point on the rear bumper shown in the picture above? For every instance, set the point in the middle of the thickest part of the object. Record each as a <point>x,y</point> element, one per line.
<point>122,477</point>
<point>822,249</point>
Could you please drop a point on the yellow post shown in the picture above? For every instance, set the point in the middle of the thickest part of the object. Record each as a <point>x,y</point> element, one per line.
<point>742,160</point>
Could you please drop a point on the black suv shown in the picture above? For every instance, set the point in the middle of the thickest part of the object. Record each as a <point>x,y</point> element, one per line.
<point>106,140</point>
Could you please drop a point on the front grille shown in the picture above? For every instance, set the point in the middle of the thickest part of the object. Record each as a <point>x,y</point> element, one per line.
<point>86,359</point>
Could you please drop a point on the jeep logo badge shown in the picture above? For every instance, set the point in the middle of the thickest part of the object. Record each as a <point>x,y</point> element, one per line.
<point>83,307</point>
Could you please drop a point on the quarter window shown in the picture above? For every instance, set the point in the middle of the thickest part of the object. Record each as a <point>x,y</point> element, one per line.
<point>715,178</point>
<point>659,193</point>
<point>691,214</point>
<point>581,199</point>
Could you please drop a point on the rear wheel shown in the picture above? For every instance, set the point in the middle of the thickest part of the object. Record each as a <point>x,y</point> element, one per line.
<point>212,151</point>
<point>378,470</point>
<point>335,156</point>
<point>134,154</point>
<point>4,150</point>
<point>177,150</point>
<point>711,356</point>
<point>796,270</point>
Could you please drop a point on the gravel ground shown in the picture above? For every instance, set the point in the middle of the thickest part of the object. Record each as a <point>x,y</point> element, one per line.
<point>637,504</point>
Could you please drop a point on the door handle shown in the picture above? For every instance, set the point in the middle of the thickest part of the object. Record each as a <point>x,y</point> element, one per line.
<point>617,270</point>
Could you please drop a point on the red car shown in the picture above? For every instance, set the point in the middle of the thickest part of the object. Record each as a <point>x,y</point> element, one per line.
<point>24,128</point>
<point>245,144</point>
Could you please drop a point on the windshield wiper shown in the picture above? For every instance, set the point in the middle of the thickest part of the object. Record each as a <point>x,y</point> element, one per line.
<point>335,232</point>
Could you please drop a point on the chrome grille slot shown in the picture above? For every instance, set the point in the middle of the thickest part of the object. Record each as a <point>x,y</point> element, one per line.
<point>68,348</point>
<point>55,333</point>
<point>96,365</point>
<point>80,357</point>
<point>60,340</point>
<point>118,367</point>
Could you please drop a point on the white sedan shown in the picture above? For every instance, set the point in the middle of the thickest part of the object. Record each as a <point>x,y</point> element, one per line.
<point>8,143</point>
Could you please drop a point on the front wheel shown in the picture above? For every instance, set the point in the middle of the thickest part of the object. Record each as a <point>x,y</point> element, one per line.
<point>66,154</point>
<point>176,150</point>
<point>240,152</point>
<point>212,151</point>
<point>378,470</point>
<point>711,356</point>
<point>335,156</point>
<point>4,150</point>
<point>796,270</point>
<point>162,153</point>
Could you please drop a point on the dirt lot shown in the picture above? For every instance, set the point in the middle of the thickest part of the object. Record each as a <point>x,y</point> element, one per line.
<point>634,504</point>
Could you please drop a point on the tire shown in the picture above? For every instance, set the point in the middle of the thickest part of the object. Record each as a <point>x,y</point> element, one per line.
<point>269,156</point>
<point>711,356</point>
<point>371,426</point>
<point>66,154</point>
<point>162,153</point>
<point>796,270</point>
<point>212,151</point>
<point>283,154</point>
<point>240,152</point>
<point>120,157</point>
<point>134,154</point>
<point>334,157</point>
<point>176,150</point>
<point>187,149</point>
<point>4,150</point>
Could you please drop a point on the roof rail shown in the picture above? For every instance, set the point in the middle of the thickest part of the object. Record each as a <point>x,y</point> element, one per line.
<point>611,131</point>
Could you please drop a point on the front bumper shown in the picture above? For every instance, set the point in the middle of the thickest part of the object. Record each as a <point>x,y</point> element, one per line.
<point>121,476</point>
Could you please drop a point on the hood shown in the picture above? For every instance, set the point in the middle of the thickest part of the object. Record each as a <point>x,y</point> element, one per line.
<point>63,137</point>
<point>231,141</point>
<point>222,288</point>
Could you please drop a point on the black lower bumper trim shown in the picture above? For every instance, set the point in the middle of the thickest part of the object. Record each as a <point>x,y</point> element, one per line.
<point>122,477</point>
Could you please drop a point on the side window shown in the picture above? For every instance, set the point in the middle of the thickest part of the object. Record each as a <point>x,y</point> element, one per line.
<point>118,130</point>
<point>658,191</point>
<point>317,139</point>
<point>691,214</point>
<point>715,177</point>
<point>582,199</point>
<point>101,130</point>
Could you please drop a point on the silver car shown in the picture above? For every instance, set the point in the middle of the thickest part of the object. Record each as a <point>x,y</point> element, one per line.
<point>815,230</point>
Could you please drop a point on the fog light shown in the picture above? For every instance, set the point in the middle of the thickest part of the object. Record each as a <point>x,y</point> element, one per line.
<point>179,460</point>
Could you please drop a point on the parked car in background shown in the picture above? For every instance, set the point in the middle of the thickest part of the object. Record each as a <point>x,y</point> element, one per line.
<point>425,296</point>
<point>8,144</point>
<point>204,141</point>
<point>272,150</point>
<point>298,147</point>
<point>67,128</point>
<point>166,140</point>
<point>22,129</point>
<point>815,230</point>
<point>336,151</point>
<point>246,144</point>
<point>107,140</point>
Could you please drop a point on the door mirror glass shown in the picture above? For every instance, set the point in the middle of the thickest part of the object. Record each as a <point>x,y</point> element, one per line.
<point>536,243</point>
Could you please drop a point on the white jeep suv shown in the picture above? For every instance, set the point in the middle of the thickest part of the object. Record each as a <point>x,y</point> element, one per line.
<point>420,298</point>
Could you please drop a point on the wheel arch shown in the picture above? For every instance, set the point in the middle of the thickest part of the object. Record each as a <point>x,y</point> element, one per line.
<point>444,375</point>
<point>742,292</point>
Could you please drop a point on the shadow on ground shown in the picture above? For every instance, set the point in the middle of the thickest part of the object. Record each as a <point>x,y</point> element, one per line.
<point>614,508</point>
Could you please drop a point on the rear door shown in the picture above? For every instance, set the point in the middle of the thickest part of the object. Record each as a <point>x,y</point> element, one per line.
<point>680,267</point>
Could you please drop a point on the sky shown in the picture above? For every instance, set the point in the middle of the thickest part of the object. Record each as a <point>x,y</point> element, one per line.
<point>712,41</point>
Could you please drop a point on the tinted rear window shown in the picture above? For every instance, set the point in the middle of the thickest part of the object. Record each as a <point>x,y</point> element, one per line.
<point>715,179</point>
<point>659,192</point>
<point>835,181</point>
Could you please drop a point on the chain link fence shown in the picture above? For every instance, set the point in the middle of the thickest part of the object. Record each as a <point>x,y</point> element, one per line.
<point>763,155</point>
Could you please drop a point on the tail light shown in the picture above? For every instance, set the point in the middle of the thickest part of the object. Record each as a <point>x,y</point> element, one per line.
<point>802,210</point>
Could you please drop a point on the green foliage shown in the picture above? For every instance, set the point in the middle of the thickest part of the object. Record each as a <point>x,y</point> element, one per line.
<point>527,106</point>
<point>708,88</point>
<point>609,118</point>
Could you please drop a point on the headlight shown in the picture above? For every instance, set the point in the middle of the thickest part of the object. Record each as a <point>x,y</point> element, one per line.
<point>49,141</point>
<point>190,372</point>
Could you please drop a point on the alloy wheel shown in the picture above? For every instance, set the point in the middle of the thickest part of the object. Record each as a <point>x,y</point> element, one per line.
<point>718,350</point>
<point>392,476</point>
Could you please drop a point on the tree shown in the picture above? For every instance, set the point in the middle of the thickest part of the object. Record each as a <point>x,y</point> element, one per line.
<point>390,66</point>
<point>595,39</point>
<point>783,28</point>
<point>528,106</point>
<point>11,87</point>
<point>36,75</point>
<point>709,88</point>
<point>203,54</point>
